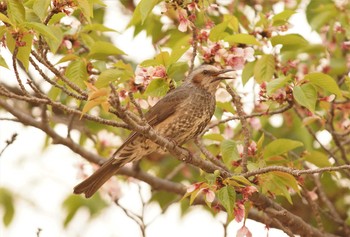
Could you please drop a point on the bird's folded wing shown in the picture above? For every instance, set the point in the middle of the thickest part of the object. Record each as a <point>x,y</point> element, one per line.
<point>162,110</point>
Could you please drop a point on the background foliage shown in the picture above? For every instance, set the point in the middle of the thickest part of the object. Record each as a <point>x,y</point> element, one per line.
<point>249,168</point>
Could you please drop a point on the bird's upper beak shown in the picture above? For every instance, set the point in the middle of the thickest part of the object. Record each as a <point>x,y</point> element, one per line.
<point>219,78</point>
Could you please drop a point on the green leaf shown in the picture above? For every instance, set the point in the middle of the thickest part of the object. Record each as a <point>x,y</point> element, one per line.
<point>55,43</point>
<point>40,8</point>
<point>276,84</point>
<point>103,49</point>
<point>56,18</point>
<point>242,180</point>
<point>67,58</point>
<point>278,183</point>
<point>324,81</point>
<point>320,12</point>
<point>141,12</point>
<point>318,158</point>
<point>24,50</point>
<point>264,68</point>
<point>5,19</point>
<point>86,8</point>
<point>242,39</point>
<point>306,95</point>
<point>76,73</point>
<point>179,49</point>
<point>8,207</point>
<point>110,75</point>
<point>248,72</point>
<point>233,22</point>
<point>218,32</point>
<point>52,34</point>
<point>282,18</point>
<point>280,146</point>
<point>214,136</point>
<point>227,197</point>
<point>157,88</point>
<point>41,29</point>
<point>161,59</point>
<point>229,151</point>
<point>97,27</point>
<point>3,62</point>
<point>74,202</point>
<point>16,11</point>
<point>146,7</point>
<point>290,42</point>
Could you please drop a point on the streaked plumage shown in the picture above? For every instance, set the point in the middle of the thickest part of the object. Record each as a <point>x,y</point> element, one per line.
<point>180,116</point>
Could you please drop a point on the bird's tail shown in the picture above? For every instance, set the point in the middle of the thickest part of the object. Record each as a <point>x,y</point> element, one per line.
<point>90,185</point>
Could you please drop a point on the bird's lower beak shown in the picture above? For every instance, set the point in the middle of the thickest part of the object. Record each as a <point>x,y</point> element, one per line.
<point>218,78</point>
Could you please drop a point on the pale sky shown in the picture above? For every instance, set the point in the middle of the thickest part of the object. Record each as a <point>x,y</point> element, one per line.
<point>43,178</point>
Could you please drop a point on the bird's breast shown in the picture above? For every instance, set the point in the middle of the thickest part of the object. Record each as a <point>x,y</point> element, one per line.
<point>190,118</point>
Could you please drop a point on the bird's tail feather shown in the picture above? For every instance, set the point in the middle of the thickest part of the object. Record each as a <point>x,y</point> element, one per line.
<point>97,179</point>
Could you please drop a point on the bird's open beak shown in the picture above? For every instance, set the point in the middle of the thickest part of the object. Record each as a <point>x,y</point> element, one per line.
<point>218,78</point>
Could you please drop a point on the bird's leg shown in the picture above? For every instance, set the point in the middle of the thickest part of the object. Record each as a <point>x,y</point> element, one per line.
<point>186,157</point>
<point>136,165</point>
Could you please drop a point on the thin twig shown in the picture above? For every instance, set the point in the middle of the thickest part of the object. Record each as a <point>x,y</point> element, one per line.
<point>15,69</point>
<point>137,106</point>
<point>314,208</point>
<point>58,105</point>
<point>246,134</point>
<point>46,78</point>
<point>295,172</point>
<point>209,155</point>
<point>335,137</point>
<point>133,216</point>
<point>51,67</point>
<point>277,111</point>
<point>9,142</point>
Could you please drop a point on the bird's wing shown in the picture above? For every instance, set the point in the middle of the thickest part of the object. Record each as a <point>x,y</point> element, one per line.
<point>160,111</point>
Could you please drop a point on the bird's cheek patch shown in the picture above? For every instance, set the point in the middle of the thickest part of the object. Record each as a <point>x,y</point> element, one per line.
<point>197,79</point>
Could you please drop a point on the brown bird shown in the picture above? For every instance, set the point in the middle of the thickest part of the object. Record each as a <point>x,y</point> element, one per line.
<point>180,116</point>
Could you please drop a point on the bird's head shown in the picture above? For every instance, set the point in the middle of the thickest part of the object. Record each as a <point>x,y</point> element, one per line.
<point>208,77</point>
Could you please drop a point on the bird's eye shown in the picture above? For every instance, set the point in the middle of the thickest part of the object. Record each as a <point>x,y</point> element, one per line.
<point>205,72</point>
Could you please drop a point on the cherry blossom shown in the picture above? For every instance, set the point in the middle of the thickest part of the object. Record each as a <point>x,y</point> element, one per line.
<point>143,75</point>
<point>209,194</point>
<point>184,21</point>
<point>244,232</point>
<point>239,211</point>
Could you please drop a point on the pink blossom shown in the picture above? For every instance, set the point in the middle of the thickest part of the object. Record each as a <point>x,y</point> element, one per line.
<point>239,211</point>
<point>193,187</point>
<point>255,123</point>
<point>346,45</point>
<point>249,54</point>
<point>345,124</point>
<point>209,195</point>
<point>108,139</point>
<point>329,98</point>
<point>219,54</point>
<point>252,148</point>
<point>184,22</point>
<point>143,75</point>
<point>193,6</point>
<point>248,191</point>
<point>237,52</point>
<point>222,95</point>
<point>112,187</point>
<point>159,72</point>
<point>244,232</point>
<point>237,63</point>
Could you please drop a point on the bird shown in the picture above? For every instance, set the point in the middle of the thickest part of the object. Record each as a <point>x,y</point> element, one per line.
<point>182,114</point>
